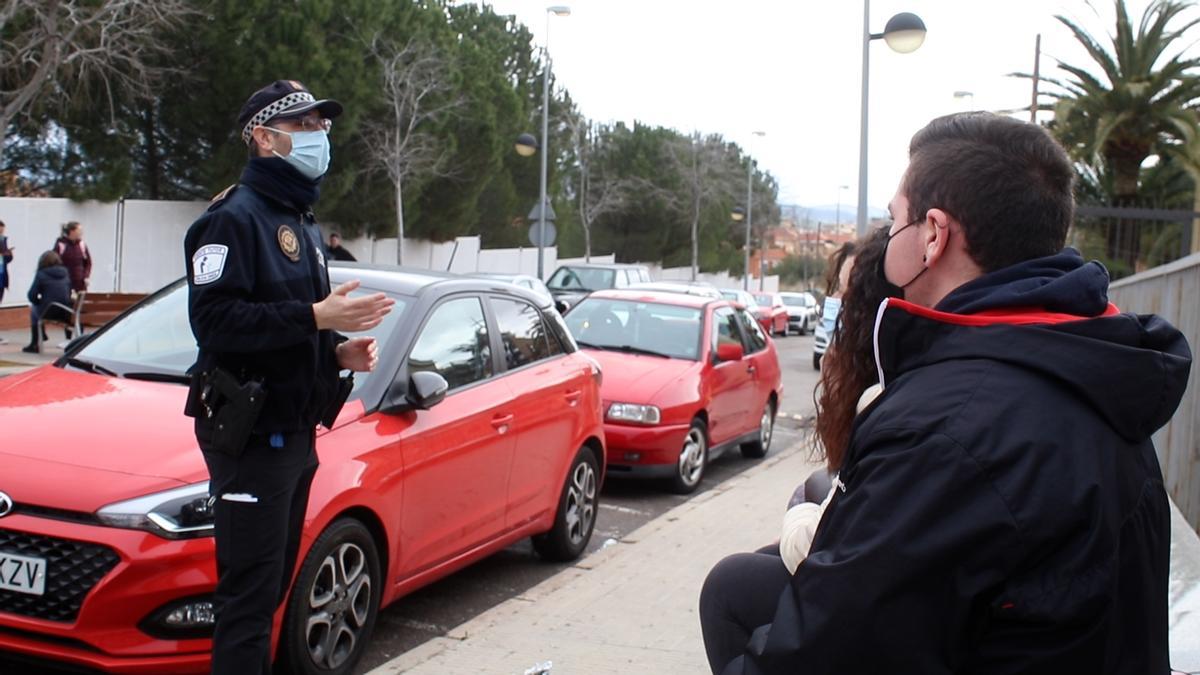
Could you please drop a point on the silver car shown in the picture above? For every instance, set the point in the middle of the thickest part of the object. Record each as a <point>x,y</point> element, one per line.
<point>802,311</point>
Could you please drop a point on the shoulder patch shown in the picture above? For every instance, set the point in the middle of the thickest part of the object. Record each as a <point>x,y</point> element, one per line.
<point>208,262</point>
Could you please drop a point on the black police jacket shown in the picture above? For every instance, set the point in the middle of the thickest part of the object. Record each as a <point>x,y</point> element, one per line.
<point>255,266</point>
<point>1001,508</point>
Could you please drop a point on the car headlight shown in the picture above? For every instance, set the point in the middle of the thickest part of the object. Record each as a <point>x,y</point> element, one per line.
<point>181,513</point>
<point>632,412</point>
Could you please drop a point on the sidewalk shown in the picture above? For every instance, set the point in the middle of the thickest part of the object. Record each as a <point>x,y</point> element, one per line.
<point>631,608</point>
<point>13,360</point>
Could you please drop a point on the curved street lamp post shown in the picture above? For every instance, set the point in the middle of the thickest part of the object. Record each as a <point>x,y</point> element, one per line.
<point>904,33</point>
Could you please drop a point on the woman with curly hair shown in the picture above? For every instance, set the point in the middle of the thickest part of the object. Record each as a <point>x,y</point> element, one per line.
<point>730,607</point>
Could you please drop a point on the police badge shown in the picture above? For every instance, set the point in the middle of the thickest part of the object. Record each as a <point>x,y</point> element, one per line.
<point>289,243</point>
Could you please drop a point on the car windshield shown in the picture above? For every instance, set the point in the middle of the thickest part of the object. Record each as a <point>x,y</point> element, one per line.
<point>637,327</point>
<point>797,300</point>
<point>155,340</point>
<point>741,297</point>
<point>582,279</point>
<point>764,300</point>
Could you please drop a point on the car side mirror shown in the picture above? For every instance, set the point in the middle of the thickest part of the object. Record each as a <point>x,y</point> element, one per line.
<point>423,391</point>
<point>730,351</point>
<point>561,306</point>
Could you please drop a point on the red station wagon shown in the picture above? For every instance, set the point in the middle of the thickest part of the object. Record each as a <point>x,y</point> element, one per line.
<point>685,378</point>
<point>481,425</point>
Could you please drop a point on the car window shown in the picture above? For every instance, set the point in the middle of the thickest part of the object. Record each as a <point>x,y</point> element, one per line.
<point>725,330</point>
<point>454,343</point>
<point>582,279</point>
<point>157,337</point>
<point>521,331</point>
<point>764,300</point>
<point>627,325</point>
<point>754,338</point>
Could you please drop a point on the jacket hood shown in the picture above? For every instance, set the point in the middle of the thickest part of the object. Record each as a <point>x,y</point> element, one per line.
<point>1132,369</point>
<point>56,272</point>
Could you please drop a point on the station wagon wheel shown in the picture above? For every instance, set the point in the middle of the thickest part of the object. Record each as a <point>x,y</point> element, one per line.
<point>333,606</point>
<point>693,459</point>
<point>576,516</point>
<point>766,430</point>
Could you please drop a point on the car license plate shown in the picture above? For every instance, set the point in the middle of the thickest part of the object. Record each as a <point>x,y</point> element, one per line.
<point>22,574</point>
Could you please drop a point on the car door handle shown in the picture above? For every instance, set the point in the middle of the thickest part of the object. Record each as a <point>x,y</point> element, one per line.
<point>573,397</point>
<point>501,422</point>
<point>751,369</point>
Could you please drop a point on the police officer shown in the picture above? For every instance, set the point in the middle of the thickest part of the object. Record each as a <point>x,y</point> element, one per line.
<point>264,318</point>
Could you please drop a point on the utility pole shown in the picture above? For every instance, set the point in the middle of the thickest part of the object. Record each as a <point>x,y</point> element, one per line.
<point>1037,60</point>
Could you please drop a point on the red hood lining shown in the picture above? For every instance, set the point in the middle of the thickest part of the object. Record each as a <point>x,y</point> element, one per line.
<point>1012,316</point>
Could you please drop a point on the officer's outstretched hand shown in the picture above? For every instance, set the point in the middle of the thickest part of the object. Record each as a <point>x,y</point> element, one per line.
<point>339,311</point>
<point>358,354</point>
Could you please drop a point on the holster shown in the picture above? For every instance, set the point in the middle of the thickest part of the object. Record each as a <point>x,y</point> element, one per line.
<point>228,406</point>
<point>330,414</point>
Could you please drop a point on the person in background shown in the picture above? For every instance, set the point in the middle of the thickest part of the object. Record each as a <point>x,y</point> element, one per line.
<point>731,608</point>
<point>337,251</point>
<point>75,255</point>
<point>6,257</point>
<point>51,284</point>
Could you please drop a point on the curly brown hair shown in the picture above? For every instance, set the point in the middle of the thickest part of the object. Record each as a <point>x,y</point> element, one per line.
<point>834,269</point>
<point>848,367</point>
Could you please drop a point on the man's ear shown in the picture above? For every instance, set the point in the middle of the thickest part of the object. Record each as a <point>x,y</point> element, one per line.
<point>261,138</point>
<point>937,235</point>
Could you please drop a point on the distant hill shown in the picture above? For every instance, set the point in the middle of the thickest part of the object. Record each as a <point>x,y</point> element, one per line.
<point>826,213</point>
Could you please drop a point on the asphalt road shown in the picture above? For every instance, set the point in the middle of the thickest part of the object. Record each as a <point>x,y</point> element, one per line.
<point>625,506</point>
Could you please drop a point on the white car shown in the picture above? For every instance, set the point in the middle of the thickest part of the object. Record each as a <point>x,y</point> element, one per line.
<point>523,280</point>
<point>701,289</point>
<point>802,311</point>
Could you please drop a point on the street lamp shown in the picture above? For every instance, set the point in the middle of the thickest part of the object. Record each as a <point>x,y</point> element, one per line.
<point>749,209</point>
<point>904,33</point>
<point>526,145</point>
<point>556,10</point>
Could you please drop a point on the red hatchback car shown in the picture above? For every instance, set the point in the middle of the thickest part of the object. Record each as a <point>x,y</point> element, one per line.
<point>481,425</point>
<point>685,379</point>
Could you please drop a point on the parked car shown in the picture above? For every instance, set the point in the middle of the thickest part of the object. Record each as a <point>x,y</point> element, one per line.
<point>570,283</point>
<point>772,313</point>
<point>481,425</point>
<point>686,378</point>
<point>823,334</point>
<point>526,281</point>
<point>801,310</point>
<point>700,289</point>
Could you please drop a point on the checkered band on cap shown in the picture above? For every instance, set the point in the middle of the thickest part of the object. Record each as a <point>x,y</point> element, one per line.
<point>262,116</point>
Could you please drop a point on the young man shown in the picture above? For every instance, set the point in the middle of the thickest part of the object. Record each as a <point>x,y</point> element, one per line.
<point>336,251</point>
<point>264,317</point>
<point>1001,507</point>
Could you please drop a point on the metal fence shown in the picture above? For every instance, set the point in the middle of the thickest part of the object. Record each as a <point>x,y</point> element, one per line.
<point>1172,291</point>
<point>1134,237</point>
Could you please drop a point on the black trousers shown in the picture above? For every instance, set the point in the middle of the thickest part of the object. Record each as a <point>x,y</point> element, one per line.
<point>260,500</point>
<point>740,594</point>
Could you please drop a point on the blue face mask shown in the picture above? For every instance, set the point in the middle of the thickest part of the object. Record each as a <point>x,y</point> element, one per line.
<point>310,152</point>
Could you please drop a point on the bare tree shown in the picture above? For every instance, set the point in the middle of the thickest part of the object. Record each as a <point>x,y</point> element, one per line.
<point>601,191</point>
<point>417,93</point>
<point>58,50</point>
<point>705,166</point>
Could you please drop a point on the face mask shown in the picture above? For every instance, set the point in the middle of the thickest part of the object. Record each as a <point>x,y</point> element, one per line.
<point>310,152</point>
<point>893,289</point>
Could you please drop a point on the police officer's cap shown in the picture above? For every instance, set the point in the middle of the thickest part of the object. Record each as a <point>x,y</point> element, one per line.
<point>280,100</point>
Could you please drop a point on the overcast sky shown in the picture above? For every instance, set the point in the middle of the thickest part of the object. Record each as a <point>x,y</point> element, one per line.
<point>791,68</point>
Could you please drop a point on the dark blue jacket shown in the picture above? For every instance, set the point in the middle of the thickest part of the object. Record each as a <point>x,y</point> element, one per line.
<point>255,267</point>
<point>1002,508</point>
<point>50,284</point>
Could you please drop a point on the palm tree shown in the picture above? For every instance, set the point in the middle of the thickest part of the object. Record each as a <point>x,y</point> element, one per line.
<point>1141,99</point>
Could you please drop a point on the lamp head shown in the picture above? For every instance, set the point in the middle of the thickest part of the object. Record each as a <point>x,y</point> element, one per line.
<point>526,145</point>
<point>904,32</point>
<point>738,214</point>
<point>559,10</point>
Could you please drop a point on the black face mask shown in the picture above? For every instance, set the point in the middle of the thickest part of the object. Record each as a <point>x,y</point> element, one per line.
<point>892,289</point>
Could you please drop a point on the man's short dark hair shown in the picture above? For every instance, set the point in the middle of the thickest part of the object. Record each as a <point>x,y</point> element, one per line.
<point>1008,182</point>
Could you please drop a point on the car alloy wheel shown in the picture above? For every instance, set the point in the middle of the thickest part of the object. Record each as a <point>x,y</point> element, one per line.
<point>766,430</point>
<point>576,516</point>
<point>693,458</point>
<point>335,602</point>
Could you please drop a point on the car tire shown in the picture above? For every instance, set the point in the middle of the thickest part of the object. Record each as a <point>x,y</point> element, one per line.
<point>334,603</point>
<point>758,448</point>
<point>693,460</point>
<point>575,519</point>
<point>816,361</point>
